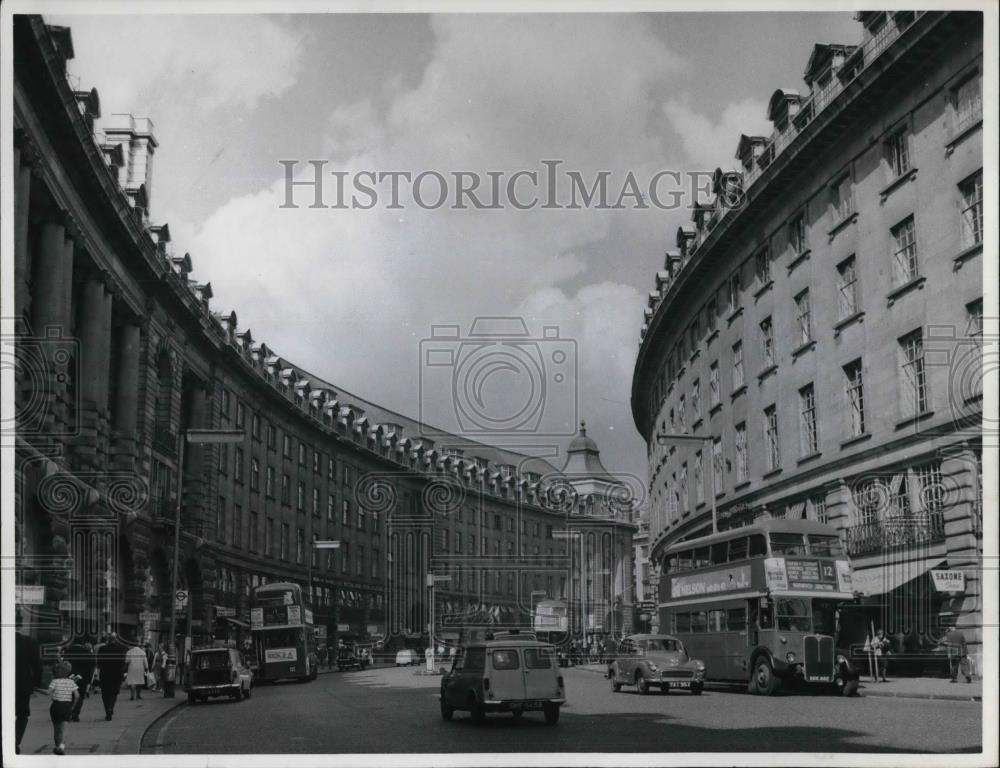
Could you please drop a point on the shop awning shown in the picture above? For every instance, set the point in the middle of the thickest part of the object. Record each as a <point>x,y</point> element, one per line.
<point>237,622</point>
<point>882,579</point>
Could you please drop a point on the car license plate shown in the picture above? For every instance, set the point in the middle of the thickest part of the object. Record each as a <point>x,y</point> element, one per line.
<point>680,684</point>
<point>819,678</point>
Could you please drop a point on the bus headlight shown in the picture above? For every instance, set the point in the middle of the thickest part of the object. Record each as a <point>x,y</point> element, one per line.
<point>783,640</point>
<point>790,657</point>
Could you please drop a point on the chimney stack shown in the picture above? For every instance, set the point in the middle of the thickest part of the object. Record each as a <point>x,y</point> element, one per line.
<point>135,136</point>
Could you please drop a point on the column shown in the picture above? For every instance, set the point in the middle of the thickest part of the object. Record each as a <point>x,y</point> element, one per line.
<point>94,346</point>
<point>48,302</point>
<point>126,409</point>
<point>22,203</point>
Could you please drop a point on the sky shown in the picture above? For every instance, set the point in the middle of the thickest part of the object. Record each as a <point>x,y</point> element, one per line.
<point>354,295</point>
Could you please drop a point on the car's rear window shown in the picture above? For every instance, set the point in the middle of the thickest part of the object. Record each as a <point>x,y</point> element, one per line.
<point>538,658</point>
<point>212,660</point>
<point>505,658</point>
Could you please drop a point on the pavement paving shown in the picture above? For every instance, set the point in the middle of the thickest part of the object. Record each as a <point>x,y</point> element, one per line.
<point>94,735</point>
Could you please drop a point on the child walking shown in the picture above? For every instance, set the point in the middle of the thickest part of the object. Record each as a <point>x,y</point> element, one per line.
<point>63,692</point>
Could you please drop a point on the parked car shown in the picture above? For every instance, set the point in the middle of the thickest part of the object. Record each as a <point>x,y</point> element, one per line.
<point>351,657</point>
<point>505,674</point>
<point>407,657</point>
<point>655,661</point>
<point>218,672</point>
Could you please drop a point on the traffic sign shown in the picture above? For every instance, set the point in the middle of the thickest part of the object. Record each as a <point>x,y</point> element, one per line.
<point>180,599</point>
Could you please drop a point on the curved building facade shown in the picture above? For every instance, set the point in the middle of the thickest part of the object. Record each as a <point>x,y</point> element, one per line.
<point>120,353</point>
<point>819,325</point>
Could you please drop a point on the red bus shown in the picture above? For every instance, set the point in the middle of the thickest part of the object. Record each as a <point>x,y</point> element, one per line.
<point>281,626</point>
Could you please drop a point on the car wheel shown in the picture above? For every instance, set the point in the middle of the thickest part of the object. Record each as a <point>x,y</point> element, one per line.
<point>697,688</point>
<point>446,711</point>
<point>641,684</point>
<point>239,694</point>
<point>551,712</point>
<point>615,685</point>
<point>766,682</point>
<point>192,698</point>
<point>249,691</point>
<point>477,712</point>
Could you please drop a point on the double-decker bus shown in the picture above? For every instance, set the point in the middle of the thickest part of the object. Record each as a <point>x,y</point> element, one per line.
<point>759,604</point>
<point>550,622</point>
<point>281,626</point>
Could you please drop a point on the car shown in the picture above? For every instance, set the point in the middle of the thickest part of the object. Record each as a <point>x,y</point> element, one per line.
<point>503,674</point>
<point>406,658</point>
<point>218,671</point>
<point>655,661</point>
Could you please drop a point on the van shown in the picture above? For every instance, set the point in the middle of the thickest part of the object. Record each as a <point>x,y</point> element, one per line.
<point>507,673</point>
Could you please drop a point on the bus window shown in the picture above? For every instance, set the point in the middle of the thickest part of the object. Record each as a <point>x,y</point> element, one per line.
<point>758,545</point>
<point>793,614</point>
<point>699,621</point>
<point>788,544</point>
<point>685,560</point>
<point>765,615</point>
<point>683,622</point>
<point>736,619</point>
<point>825,546</point>
<point>671,562</point>
<point>824,616</point>
<point>702,557</point>
<point>720,551</point>
<point>738,549</point>
<point>717,621</point>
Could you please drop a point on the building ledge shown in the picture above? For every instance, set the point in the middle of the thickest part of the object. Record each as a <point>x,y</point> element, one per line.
<point>966,254</point>
<point>763,289</point>
<point>766,372</point>
<point>712,336</point>
<point>694,356</point>
<point>771,473</point>
<point>857,317</point>
<point>800,258</point>
<point>734,314</point>
<point>842,224</point>
<point>738,391</point>
<point>715,409</point>
<point>810,457</point>
<point>856,440</point>
<point>911,420</point>
<point>896,183</point>
<point>961,136</point>
<point>697,423</point>
<point>742,484</point>
<point>803,348</point>
<point>894,295</point>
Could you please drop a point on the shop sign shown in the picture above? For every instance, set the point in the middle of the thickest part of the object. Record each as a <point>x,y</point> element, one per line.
<point>373,629</point>
<point>343,627</point>
<point>145,616</point>
<point>256,618</point>
<point>949,581</point>
<point>223,611</point>
<point>73,606</point>
<point>29,594</point>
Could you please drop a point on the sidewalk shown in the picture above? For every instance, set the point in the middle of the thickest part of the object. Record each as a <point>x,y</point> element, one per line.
<point>93,735</point>
<point>900,688</point>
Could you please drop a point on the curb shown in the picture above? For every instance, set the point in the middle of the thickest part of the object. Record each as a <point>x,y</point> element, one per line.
<point>138,747</point>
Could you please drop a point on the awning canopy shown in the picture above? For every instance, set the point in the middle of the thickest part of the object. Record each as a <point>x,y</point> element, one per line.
<point>237,622</point>
<point>884,578</point>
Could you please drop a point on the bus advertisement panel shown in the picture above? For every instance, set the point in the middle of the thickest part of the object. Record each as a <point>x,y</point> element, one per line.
<point>760,604</point>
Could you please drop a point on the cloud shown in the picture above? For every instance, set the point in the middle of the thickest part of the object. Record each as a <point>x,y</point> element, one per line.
<point>203,62</point>
<point>712,144</point>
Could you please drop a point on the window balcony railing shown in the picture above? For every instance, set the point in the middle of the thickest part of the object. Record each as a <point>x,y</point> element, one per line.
<point>165,440</point>
<point>895,533</point>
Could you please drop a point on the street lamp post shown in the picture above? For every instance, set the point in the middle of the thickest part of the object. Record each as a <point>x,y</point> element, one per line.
<point>196,437</point>
<point>665,438</point>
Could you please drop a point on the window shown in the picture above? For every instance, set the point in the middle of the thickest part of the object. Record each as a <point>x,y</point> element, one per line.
<point>237,525</point>
<point>220,520</point>
<point>285,533</point>
<point>300,545</point>
<point>711,315</point>
<point>808,438</point>
<point>699,485</point>
<point>696,399</point>
<point>223,455</point>
<point>854,388</point>
<point>331,509</point>
<point>505,659</point>
<point>682,486</point>
<point>225,402</point>
<point>771,437</point>
<point>905,257</point>
<point>254,474</point>
<point>767,342</point>
<point>286,489</point>
<point>238,465</point>
<point>738,380</point>
<point>375,562</point>
<point>803,316</point>
<point>255,426</point>
<point>240,415</point>
<point>762,267</point>
<point>847,287</point>
<point>345,512</point>
<point>272,436</point>
<point>717,464</point>
<point>269,537</point>
<point>818,513</point>
<point>967,100</point>
<point>345,556</point>
<point>797,234</point>
<point>317,460</point>
<point>714,388</point>
<point>898,153</point>
<point>360,523</point>
<point>286,446</point>
<point>315,501</point>
<point>300,496</point>
<point>303,454</point>
<point>972,210</point>
<point>252,538</point>
<point>269,482</point>
<point>734,291</point>
<point>914,376</point>
<point>331,469</point>
<point>359,569</point>
<point>682,413</point>
<point>741,452</point>
<point>842,198</point>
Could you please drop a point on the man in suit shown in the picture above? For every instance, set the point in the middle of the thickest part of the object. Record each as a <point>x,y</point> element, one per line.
<point>958,654</point>
<point>111,663</point>
<point>28,674</point>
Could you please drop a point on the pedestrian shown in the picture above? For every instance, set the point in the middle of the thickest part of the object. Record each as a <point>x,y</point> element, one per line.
<point>135,674</point>
<point>28,676</point>
<point>158,658</point>
<point>63,692</point>
<point>880,649</point>
<point>958,655</point>
<point>111,666</point>
<point>169,671</point>
<point>81,656</point>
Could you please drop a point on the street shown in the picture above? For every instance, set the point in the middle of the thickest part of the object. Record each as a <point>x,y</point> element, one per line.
<point>394,710</point>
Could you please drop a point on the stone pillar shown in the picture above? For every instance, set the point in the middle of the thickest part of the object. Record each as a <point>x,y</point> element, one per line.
<point>22,203</point>
<point>126,409</point>
<point>94,362</point>
<point>49,309</point>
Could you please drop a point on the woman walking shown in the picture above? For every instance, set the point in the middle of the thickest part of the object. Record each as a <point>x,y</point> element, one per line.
<point>135,675</point>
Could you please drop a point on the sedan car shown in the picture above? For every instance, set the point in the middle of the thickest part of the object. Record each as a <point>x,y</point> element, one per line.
<point>406,657</point>
<point>218,672</point>
<point>655,661</point>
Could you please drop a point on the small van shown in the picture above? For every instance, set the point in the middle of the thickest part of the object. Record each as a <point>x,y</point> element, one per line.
<point>506,673</point>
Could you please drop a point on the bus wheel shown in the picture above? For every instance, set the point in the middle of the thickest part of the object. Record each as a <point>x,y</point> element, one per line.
<point>641,684</point>
<point>765,681</point>
<point>697,688</point>
<point>446,711</point>
<point>850,688</point>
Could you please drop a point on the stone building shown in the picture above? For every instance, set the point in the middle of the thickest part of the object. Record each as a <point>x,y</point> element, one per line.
<point>120,352</point>
<point>820,324</point>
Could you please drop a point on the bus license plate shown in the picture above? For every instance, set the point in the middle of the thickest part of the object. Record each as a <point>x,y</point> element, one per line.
<point>681,684</point>
<point>819,678</point>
